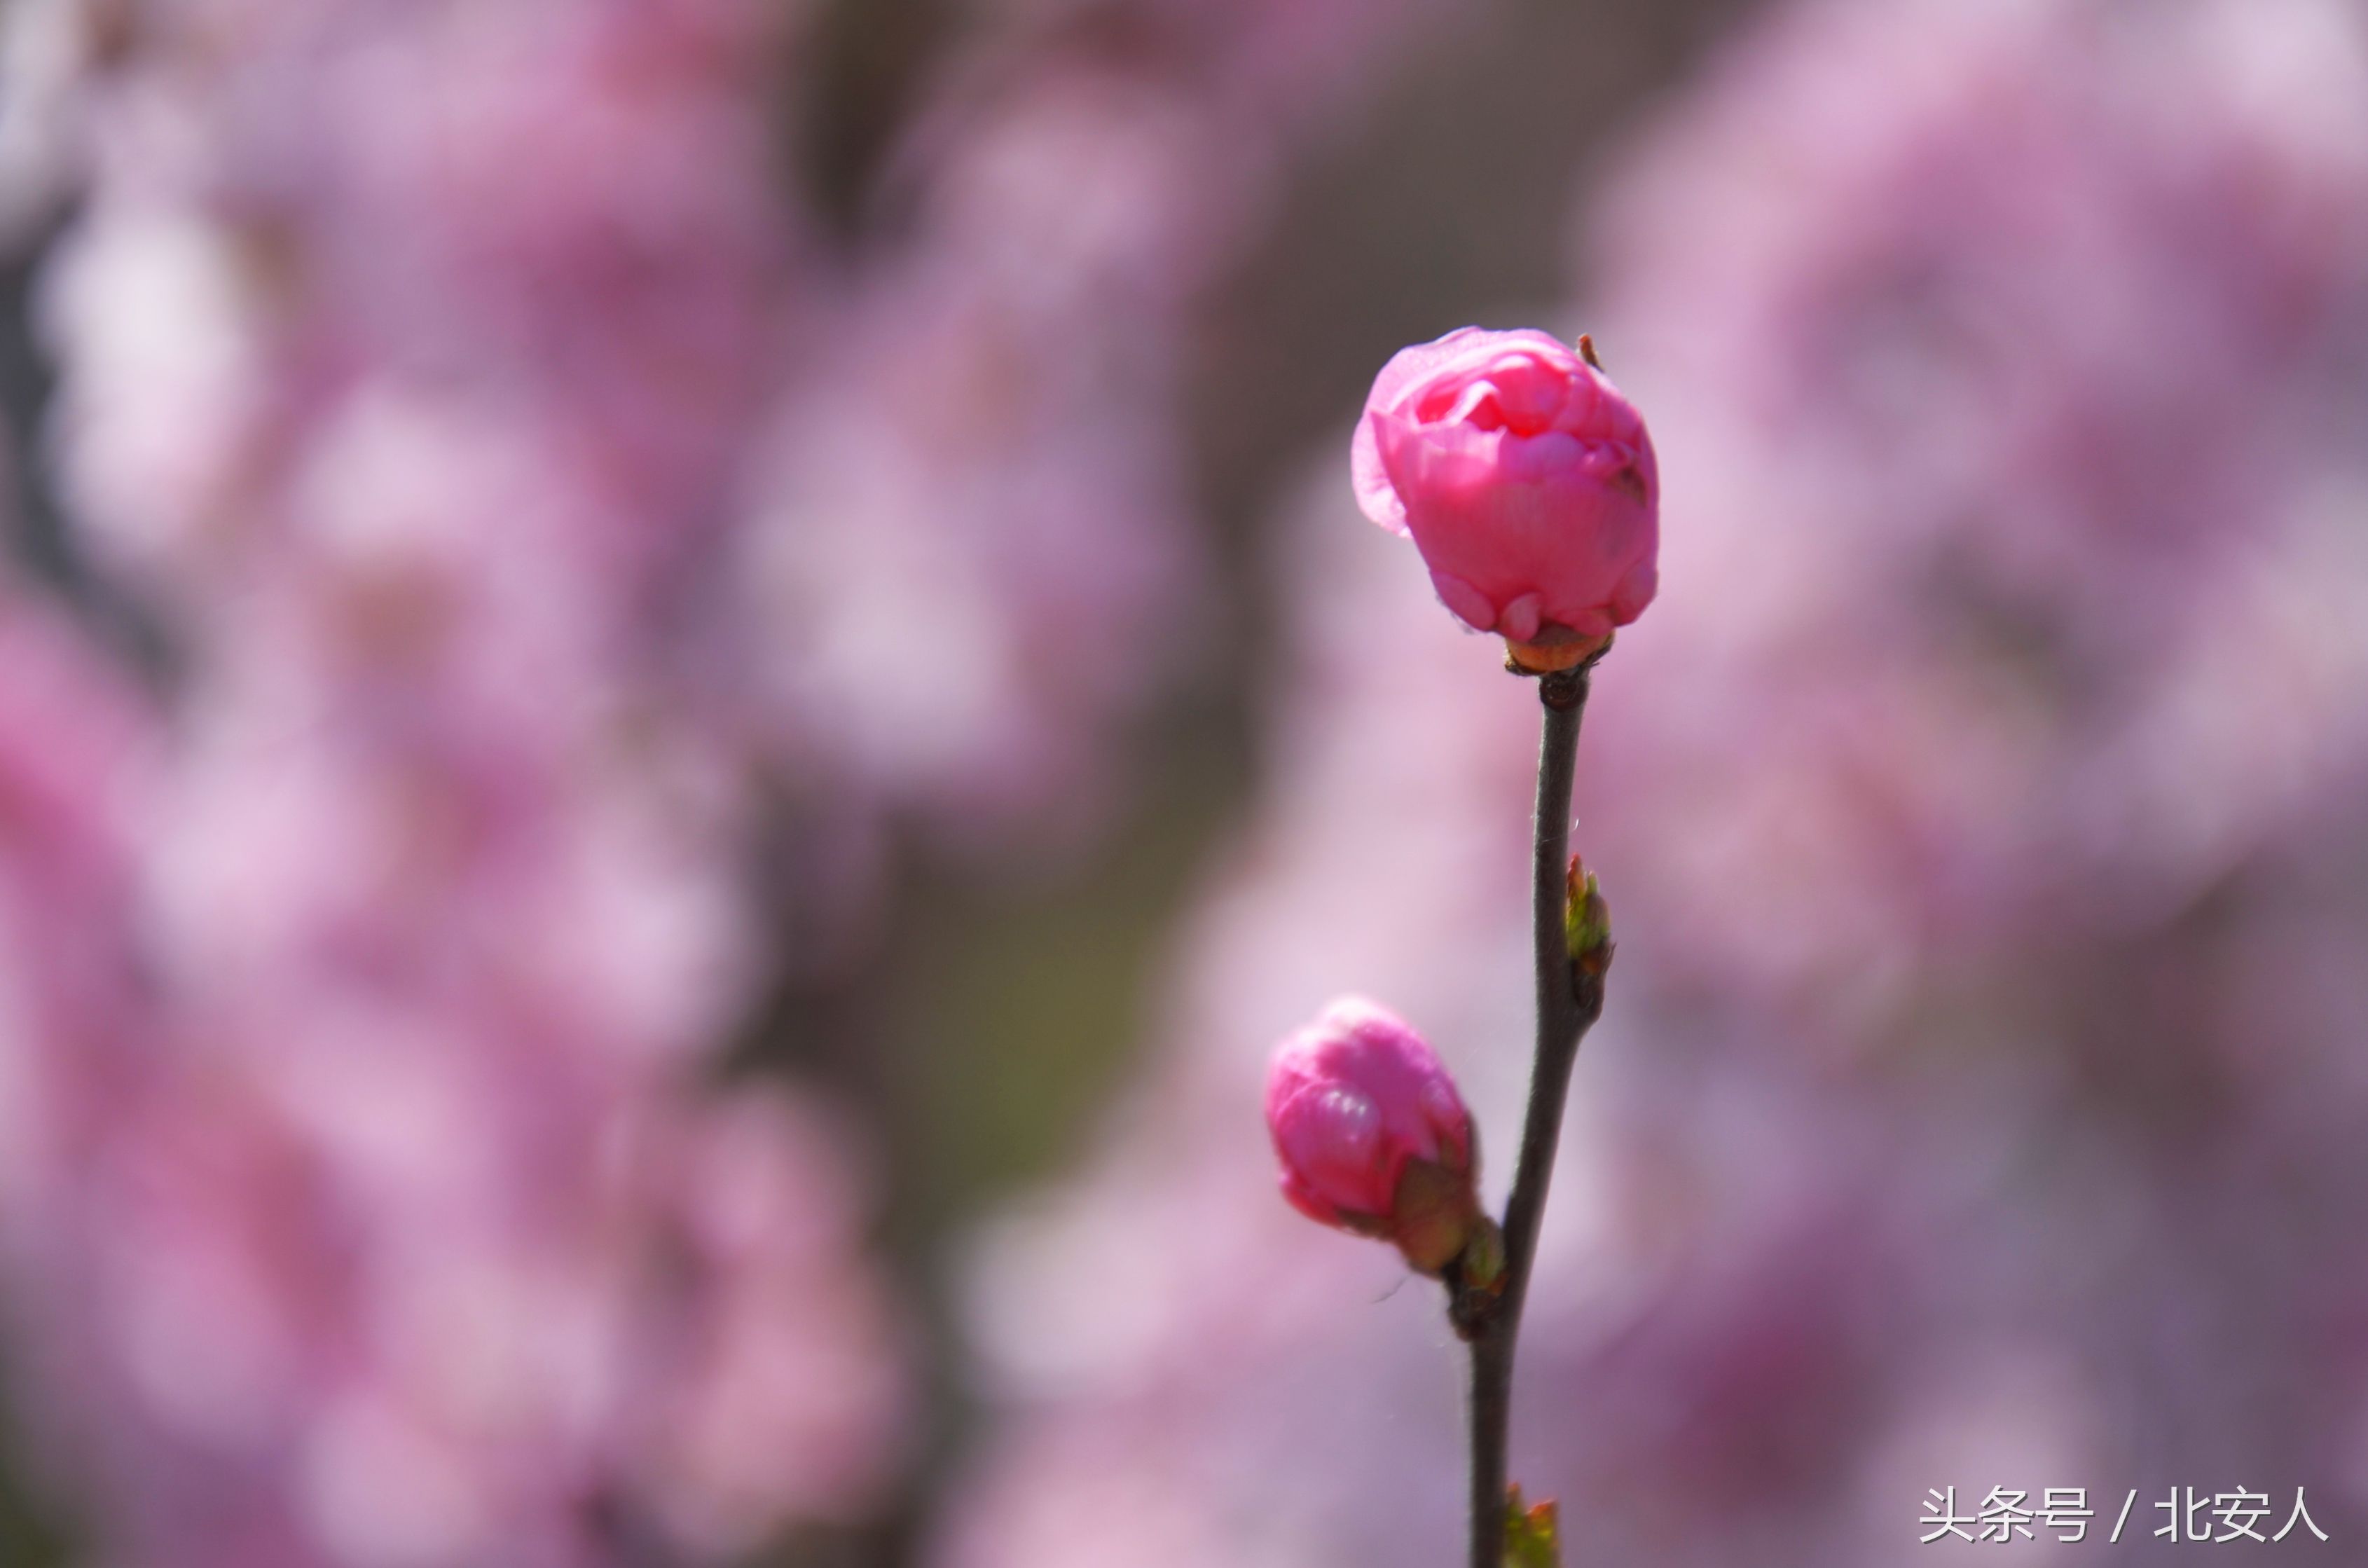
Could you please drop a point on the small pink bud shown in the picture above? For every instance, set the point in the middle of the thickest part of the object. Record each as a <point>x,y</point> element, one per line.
<point>1526,480</point>
<point>1372,1134</point>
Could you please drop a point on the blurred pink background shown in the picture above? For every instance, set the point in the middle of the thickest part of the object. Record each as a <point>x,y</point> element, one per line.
<point>686,686</point>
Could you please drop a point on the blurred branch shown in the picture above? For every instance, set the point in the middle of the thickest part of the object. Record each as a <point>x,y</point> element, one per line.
<point>871,57</point>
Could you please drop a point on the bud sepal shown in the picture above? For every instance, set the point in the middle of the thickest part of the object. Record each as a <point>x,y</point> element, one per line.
<point>1532,1535</point>
<point>1586,923</point>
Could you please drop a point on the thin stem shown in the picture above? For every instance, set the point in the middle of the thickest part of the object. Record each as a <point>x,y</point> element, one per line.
<point>1567,1004</point>
<point>1491,1412</point>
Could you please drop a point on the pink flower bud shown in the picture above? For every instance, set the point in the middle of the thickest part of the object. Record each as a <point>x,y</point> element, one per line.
<point>1372,1134</point>
<point>1526,481</point>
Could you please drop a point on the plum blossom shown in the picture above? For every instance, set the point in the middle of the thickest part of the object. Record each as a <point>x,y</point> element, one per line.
<point>1372,1134</point>
<point>1526,481</point>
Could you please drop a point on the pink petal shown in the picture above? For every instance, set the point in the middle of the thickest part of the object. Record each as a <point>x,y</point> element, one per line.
<point>1376,496</point>
<point>1521,619</point>
<point>1469,604</point>
<point>1635,591</point>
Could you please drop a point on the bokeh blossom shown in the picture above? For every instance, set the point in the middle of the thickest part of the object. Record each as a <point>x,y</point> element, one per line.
<point>405,1227</point>
<point>549,565</point>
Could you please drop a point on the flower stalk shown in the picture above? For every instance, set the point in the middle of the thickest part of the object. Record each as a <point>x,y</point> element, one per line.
<point>1569,999</point>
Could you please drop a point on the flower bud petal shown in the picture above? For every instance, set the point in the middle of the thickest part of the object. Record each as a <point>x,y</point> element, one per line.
<point>1526,480</point>
<point>1372,1135</point>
